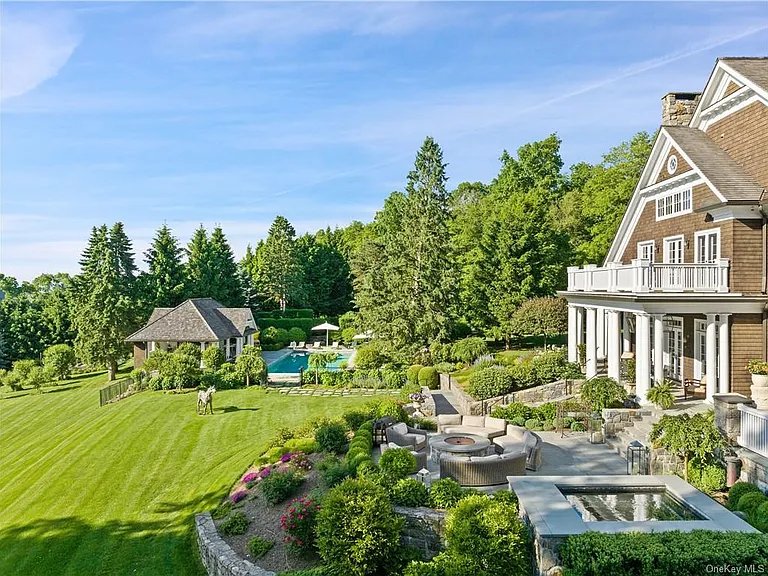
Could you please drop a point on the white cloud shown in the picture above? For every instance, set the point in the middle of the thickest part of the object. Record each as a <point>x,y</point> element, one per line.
<point>33,49</point>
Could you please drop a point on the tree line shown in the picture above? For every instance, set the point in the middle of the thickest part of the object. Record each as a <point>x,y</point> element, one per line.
<point>433,265</point>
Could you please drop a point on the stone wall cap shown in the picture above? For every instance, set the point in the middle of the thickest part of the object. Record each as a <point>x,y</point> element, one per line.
<point>731,398</point>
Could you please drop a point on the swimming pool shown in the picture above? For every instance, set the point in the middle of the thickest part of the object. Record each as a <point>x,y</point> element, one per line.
<point>295,361</point>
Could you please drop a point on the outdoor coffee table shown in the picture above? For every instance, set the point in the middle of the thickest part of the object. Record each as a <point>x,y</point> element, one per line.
<point>459,445</point>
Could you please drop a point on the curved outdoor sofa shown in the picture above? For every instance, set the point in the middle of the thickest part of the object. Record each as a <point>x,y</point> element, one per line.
<point>478,425</point>
<point>483,470</point>
<point>519,439</point>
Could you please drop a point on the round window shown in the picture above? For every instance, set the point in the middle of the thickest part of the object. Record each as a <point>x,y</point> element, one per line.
<point>672,164</point>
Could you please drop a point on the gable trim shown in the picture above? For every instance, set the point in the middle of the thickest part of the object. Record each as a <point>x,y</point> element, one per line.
<point>716,86</point>
<point>693,165</point>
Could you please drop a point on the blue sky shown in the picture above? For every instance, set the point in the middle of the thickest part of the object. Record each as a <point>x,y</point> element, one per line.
<point>232,113</point>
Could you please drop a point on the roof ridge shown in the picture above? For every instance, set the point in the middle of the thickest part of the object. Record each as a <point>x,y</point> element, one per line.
<point>202,316</point>
<point>169,310</point>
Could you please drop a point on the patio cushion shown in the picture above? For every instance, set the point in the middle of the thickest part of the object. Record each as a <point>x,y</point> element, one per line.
<point>495,423</point>
<point>443,419</point>
<point>508,444</point>
<point>478,421</point>
<point>469,430</point>
<point>517,432</point>
<point>490,458</point>
<point>400,428</point>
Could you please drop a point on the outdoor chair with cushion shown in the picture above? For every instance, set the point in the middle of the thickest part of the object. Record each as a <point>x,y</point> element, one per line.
<point>316,345</point>
<point>335,346</point>
<point>421,457</point>
<point>519,439</point>
<point>695,388</point>
<point>404,435</point>
<point>301,345</point>
<point>479,425</point>
<point>483,470</point>
<point>292,345</point>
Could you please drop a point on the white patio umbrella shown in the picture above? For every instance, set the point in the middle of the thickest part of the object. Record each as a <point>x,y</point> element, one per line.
<point>367,335</point>
<point>327,327</point>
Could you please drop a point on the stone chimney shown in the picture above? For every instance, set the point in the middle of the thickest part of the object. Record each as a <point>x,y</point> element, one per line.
<point>677,108</point>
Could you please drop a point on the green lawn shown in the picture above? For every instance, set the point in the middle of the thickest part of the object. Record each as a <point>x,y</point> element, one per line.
<point>113,490</point>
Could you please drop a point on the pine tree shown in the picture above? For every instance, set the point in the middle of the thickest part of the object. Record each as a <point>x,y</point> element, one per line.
<point>199,273</point>
<point>165,279</point>
<point>279,274</point>
<point>5,360</point>
<point>104,311</point>
<point>325,271</point>
<point>246,269</point>
<point>225,278</point>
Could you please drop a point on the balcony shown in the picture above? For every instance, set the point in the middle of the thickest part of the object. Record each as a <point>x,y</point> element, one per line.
<point>642,276</point>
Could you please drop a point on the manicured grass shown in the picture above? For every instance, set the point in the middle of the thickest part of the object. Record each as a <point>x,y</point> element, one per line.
<point>113,490</point>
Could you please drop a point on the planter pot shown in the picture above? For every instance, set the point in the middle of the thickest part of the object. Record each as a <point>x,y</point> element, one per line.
<point>759,390</point>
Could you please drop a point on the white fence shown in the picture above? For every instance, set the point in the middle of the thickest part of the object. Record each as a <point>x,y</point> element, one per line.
<point>754,430</point>
<point>644,276</point>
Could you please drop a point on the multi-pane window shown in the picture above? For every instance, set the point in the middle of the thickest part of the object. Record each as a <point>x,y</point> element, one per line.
<point>678,202</point>
<point>707,246</point>
<point>232,347</point>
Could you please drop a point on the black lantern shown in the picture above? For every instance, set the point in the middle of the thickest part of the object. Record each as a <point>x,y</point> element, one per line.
<point>637,458</point>
<point>380,429</point>
<point>595,423</point>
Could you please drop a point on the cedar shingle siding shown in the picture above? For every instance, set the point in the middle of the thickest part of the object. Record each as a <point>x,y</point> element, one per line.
<point>744,136</point>
<point>732,87</point>
<point>648,229</point>
<point>682,166</point>
<point>746,344</point>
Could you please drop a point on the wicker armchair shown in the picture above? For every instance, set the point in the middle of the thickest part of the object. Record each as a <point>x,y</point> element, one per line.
<point>404,435</point>
<point>483,470</point>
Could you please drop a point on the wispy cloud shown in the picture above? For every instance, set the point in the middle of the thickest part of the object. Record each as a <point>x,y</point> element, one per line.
<point>34,47</point>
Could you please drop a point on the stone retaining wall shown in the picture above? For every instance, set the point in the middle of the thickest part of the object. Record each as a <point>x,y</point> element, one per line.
<point>727,415</point>
<point>754,468</point>
<point>217,556</point>
<point>536,395</point>
<point>424,529</point>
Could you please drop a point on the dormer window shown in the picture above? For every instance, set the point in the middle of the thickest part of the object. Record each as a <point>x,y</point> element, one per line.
<point>673,204</point>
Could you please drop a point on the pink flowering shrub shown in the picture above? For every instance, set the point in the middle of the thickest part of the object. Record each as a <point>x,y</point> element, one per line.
<point>265,472</point>
<point>239,495</point>
<point>299,523</point>
<point>250,477</point>
<point>300,461</point>
<point>286,457</point>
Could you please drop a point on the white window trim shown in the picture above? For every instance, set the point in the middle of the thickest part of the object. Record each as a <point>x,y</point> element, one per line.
<point>673,192</point>
<point>700,334</point>
<point>700,233</point>
<point>652,244</point>
<point>666,252</point>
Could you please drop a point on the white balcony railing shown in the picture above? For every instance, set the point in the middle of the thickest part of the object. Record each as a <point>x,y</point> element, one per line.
<point>644,276</point>
<point>754,430</point>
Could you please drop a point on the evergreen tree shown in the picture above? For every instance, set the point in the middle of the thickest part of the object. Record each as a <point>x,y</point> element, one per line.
<point>325,271</point>
<point>246,270</point>
<point>199,272</point>
<point>165,281</point>
<point>5,359</point>
<point>279,274</point>
<point>429,265</point>
<point>104,312</point>
<point>225,277</point>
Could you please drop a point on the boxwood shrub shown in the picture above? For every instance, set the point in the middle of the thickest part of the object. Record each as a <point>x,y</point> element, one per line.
<point>412,374</point>
<point>489,382</point>
<point>398,462</point>
<point>444,493</point>
<point>357,531</point>
<point>749,502</point>
<point>648,554</point>
<point>429,378</point>
<point>409,492</point>
<point>236,524</point>
<point>737,491</point>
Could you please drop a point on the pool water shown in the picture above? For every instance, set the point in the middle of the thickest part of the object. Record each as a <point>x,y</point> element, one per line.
<point>635,505</point>
<point>297,361</point>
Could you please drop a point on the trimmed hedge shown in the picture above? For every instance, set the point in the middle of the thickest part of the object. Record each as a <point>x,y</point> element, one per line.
<point>662,553</point>
<point>428,378</point>
<point>305,324</point>
<point>737,491</point>
<point>287,313</point>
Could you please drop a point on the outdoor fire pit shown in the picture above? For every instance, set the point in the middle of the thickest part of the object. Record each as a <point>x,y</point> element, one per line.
<point>460,445</point>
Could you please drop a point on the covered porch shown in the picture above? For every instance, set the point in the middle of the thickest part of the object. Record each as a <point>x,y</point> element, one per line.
<point>677,338</point>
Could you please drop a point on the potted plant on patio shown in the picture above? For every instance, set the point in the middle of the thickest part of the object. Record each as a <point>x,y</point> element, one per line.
<point>759,388</point>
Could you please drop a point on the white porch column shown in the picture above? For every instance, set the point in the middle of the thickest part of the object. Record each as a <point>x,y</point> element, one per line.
<point>711,356</point>
<point>724,382</point>
<point>579,325</point>
<point>625,333</point>
<point>643,357</point>
<point>658,348</point>
<point>573,349</point>
<point>614,353</point>
<point>591,342</point>
<point>600,333</point>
